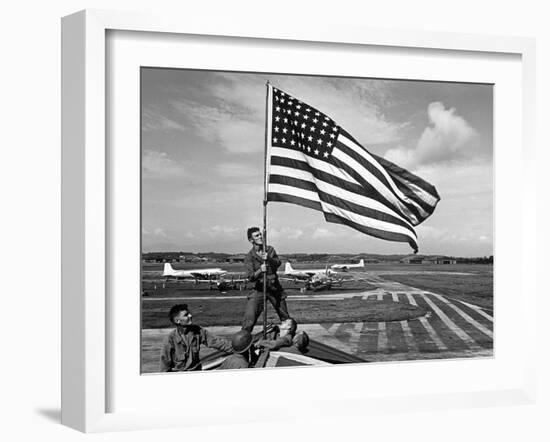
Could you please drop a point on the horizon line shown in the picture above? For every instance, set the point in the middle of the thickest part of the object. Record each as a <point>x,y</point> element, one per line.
<point>327,253</point>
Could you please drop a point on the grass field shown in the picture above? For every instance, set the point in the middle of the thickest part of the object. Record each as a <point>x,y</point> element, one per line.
<point>208,312</point>
<point>475,288</point>
<point>469,283</point>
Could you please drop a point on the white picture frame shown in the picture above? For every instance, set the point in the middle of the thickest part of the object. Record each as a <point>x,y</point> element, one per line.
<point>87,207</point>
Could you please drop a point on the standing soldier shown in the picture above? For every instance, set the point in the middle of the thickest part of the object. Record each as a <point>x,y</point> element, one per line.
<point>255,269</point>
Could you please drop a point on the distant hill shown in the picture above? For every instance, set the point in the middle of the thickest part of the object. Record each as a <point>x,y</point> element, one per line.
<point>333,258</point>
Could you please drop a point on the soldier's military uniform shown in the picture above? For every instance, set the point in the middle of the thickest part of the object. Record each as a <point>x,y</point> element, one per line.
<point>275,293</point>
<point>180,349</point>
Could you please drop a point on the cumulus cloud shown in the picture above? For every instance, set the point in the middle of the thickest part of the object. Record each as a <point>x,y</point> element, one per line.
<point>160,232</point>
<point>236,130</point>
<point>285,232</point>
<point>239,170</point>
<point>356,106</point>
<point>153,119</point>
<point>227,198</point>
<point>445,237</point>
<point>154,231</point>
<point>322,233</point>
<point>425,232</point>
<point>448,137</point>
<point>465,181</point>
<point>221,231</point>
<point>234,118</point>
<point>159,165</point>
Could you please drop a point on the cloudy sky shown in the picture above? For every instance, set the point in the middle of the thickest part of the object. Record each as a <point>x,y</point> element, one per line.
<point>203,146</point>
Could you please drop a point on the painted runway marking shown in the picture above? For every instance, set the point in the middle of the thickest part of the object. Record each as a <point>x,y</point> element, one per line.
<point>382,337</point>
<point>320,333</point>
<point>477,309</point>
<point>468,318</point>
<point>316,297</point>
<point>333,328</point>
<point>356,335</point>
<point>409,338</point>
<point>370,332</point>
<point>451,325</point>
<point>445,335</point>
<point>433,334</point>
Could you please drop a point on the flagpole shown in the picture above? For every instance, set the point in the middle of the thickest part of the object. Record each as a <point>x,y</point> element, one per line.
<point>264,233</point>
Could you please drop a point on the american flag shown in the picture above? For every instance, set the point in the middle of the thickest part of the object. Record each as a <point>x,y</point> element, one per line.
<point>313,162</point>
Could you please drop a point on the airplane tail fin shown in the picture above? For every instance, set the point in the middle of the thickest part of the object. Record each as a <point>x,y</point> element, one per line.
<point>361,263</point>
<point>168,270</point>
<point>288,268</point>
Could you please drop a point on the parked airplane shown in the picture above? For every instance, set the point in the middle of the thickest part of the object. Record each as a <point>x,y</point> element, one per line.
<point>345,267</point>
<point>307,273</point>
<point>194,274</point>
<point>214,277</point>
<point>316,279</point>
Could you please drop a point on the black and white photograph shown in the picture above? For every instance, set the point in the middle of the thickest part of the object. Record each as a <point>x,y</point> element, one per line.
<point>337,209</point>
<point>294,221</point>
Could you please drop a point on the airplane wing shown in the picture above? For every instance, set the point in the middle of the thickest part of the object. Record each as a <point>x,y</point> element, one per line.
<point>294,280</point>
<point>199,275</point>
<point>235,280</point>
<point>346,280</point>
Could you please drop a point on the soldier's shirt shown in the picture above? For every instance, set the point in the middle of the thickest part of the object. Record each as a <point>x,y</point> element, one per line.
<point>180,349</point>
<point>234,361</point>
<point>253,262</point>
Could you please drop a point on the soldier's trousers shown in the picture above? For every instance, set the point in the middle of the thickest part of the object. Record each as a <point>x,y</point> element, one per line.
<point>255,306</point>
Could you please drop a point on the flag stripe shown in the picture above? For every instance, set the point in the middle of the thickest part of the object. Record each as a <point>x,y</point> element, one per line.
<point>392,171</point>
<point>378,233</point>
<point>395,171</point>
<point>367,180</point>
<point>314,163</point>
<point>360,154</point>
<point>364,191</point>
<point>338,201</point>
<point>413,193</point>
<point>302,165</point>
<point>310,163</point>
<point>293,199</point>
<point>370,174</point>
<point>296,191</point>
<point>366,222</point>
<point>328,183</point>
<point>325,207</point>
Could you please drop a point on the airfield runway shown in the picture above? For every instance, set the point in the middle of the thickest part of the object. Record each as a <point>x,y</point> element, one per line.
<point>450,329</point>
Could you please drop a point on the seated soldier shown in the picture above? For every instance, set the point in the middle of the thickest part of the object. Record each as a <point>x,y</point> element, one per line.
<point>286,334</point>
<point>300,344</point>
<point>180,349</point>
<point>241,344</point>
